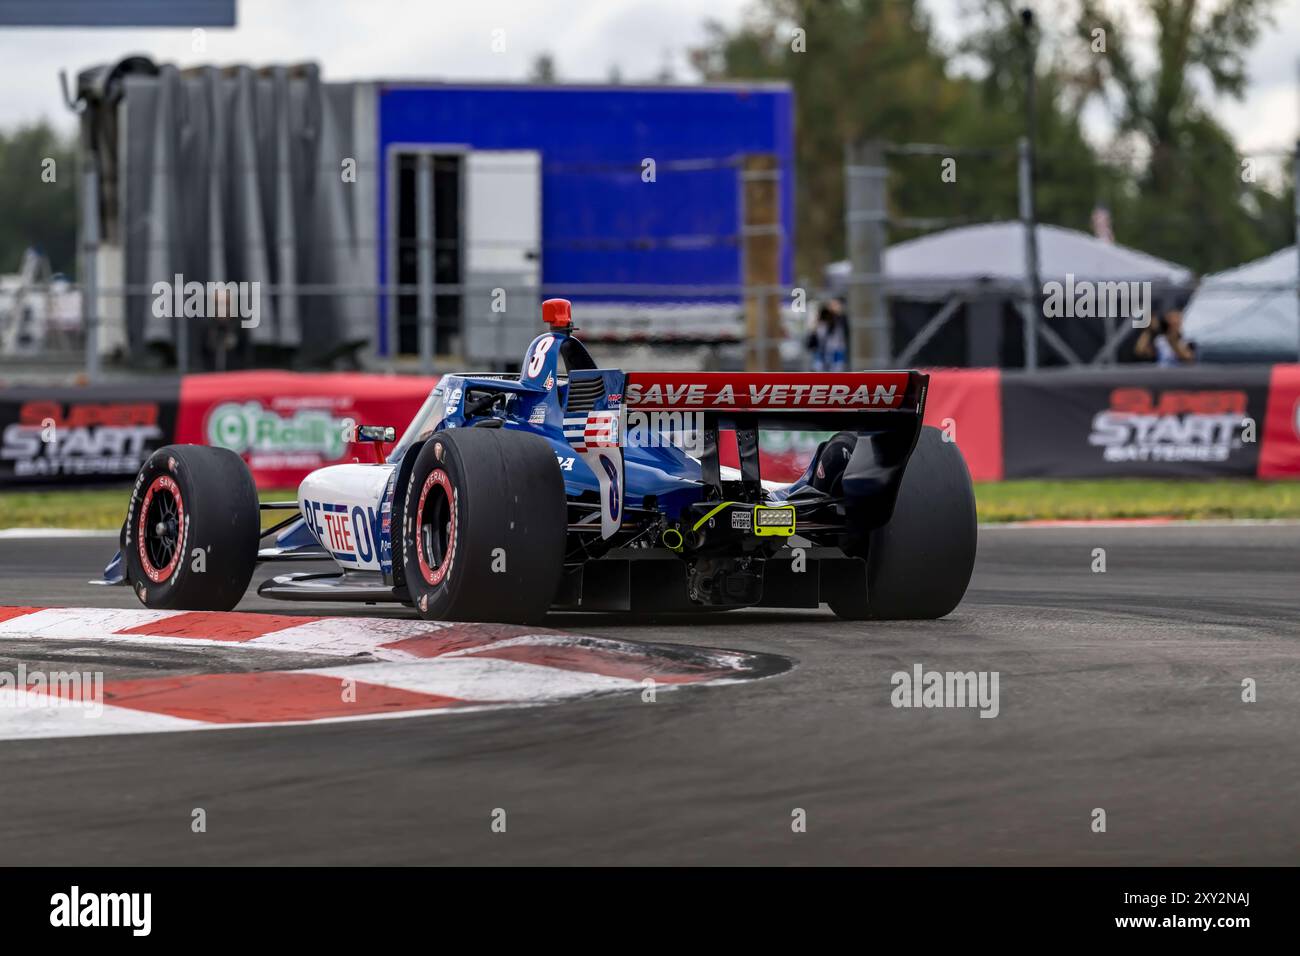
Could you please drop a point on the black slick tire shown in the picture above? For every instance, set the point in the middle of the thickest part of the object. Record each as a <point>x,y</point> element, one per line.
<point>484,526</point>
<point>192,529</point>
<point>919,563</point>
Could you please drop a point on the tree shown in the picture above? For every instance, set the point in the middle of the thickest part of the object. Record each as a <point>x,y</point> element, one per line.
<point>1071,179</point>
<point>38,197</point>
<point>1192,200</point>
<point>543,69</point>
<point>873,69</point>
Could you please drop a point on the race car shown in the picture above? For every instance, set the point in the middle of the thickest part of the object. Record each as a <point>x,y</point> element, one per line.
<point>570,486</point>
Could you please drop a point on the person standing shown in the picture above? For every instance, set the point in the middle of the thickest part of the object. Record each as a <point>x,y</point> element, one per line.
<point>828,341</point>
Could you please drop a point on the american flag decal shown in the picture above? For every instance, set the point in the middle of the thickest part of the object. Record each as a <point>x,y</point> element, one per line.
<point>592,430</point>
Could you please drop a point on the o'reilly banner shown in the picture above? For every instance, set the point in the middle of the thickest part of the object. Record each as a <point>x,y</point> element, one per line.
<point>1195,422</point>
<point>101,434</point>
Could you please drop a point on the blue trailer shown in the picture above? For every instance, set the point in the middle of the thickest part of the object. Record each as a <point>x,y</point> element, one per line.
<point>626,199</point>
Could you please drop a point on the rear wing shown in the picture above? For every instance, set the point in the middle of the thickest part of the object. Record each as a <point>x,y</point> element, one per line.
<point>888,406</point>
<point>801,398</point>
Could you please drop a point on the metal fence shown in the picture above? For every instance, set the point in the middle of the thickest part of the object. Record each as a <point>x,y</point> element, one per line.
<point>444,294</point>
<point>760,319</point>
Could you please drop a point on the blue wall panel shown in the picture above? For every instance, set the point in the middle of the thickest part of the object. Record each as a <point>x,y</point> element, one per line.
<point>589,210</point>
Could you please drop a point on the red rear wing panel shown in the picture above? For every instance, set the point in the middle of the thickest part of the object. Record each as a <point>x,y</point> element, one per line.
<point>759,392</point>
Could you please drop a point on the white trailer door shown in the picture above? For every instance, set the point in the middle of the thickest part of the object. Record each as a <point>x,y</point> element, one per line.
<point>503,252</point>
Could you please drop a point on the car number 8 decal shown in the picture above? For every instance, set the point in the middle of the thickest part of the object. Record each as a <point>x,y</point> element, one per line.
<point>538,358</point>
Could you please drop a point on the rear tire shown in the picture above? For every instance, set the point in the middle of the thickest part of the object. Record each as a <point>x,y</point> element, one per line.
<point>192,529</point>
<point>920,561</point>
<point>484,526</point>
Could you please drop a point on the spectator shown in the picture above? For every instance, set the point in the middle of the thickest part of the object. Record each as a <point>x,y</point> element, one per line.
<point>221,330</point>
<point>828,341</point>
<point>1162,341</point>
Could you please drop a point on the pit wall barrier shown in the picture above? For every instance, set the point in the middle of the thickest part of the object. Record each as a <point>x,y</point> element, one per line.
<point>1130,421</point>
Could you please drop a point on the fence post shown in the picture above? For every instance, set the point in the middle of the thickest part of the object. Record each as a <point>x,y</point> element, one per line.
<point>1028,218</point>
<point>865,214</point>
<point>424,243</point>
<point>89,264</point>
<point>183,338</point>
<point>1295,185</point>
<point>760,237</point>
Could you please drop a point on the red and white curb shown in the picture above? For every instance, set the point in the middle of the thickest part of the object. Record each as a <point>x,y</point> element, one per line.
<point>411,668</point>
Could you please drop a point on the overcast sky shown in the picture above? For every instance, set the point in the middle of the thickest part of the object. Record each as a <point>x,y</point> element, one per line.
<point>452,39</point>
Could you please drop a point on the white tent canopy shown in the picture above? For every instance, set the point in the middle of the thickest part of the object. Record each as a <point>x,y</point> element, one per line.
<point>992,255</point>
<point>1249,313</point>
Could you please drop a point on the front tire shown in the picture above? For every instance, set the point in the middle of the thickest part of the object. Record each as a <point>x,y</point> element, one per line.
<point>919,563</point>
<point>484,526</point>
<point>192,529</point>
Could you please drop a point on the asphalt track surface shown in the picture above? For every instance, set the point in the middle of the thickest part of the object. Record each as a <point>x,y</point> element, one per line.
<point>1118,690</point>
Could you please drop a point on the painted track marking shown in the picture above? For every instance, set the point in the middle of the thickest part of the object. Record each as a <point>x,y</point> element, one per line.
<point>403,668</point>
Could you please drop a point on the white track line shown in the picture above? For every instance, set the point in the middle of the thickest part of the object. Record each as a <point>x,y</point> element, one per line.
<point>18,534</point>
<point>87,623</point>
<point>482,679</point>
<point>347,637</point>
<point>27,714</point>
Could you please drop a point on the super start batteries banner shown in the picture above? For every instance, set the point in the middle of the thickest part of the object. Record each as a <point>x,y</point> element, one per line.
<point>1135,421</point>
<point>71,435</point>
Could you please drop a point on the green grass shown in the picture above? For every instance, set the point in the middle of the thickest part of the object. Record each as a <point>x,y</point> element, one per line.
<point>1136,498</point>
<point>997,501</point>
<point>99,510</point>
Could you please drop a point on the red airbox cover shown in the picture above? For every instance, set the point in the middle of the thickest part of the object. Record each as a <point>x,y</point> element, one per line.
<point>557,313</point>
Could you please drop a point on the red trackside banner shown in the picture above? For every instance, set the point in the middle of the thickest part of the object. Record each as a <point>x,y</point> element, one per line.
<point>766,391</point>
<point>1279,454</point>
<point>966,403</point>
<point>287,424</point>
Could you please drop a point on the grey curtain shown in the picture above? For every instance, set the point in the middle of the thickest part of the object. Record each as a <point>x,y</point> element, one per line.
<point>234,175</point>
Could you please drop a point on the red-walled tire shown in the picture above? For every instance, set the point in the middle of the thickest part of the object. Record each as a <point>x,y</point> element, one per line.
<point>484,526</point>
<point>192,529</point>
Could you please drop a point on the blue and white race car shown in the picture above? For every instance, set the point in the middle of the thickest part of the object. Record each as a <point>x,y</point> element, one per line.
<point>569,486</point>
